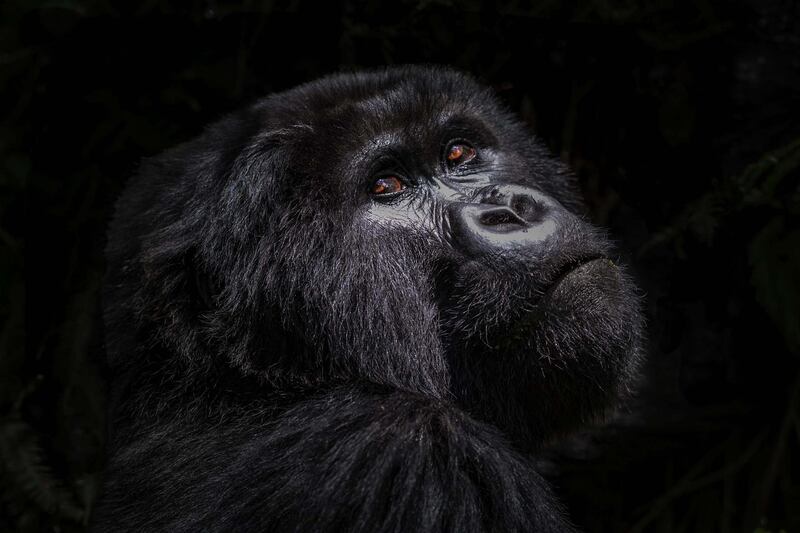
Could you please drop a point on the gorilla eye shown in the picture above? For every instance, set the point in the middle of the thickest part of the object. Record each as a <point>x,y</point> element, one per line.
<point>460,153</point>
<point>387,185</point>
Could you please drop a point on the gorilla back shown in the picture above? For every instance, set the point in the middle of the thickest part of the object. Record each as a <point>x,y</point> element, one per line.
<point>358,305</point>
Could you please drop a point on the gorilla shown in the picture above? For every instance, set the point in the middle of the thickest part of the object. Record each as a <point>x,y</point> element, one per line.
<point>364,305</point>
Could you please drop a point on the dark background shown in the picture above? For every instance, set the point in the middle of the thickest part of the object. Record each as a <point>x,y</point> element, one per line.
<point>682,123</point>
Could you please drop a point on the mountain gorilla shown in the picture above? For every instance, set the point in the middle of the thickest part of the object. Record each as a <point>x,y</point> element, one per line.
<point>358,305</point>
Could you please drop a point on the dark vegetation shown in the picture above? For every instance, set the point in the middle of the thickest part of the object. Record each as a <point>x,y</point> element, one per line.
<point>681,124</point>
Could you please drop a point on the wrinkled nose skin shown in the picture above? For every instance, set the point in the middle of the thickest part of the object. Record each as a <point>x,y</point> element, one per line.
<point>505,218</point>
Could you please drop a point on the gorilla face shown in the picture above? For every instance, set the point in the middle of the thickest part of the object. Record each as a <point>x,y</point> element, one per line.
<point>398,228</point>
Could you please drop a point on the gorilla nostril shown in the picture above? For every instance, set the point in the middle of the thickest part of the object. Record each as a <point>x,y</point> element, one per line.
<point>523,207</point>
<point>495,197</point>
<point>527,208</point>
<point>501,216</point>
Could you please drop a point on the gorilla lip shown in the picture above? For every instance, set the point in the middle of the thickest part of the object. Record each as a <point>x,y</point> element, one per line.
<point>570,268</point>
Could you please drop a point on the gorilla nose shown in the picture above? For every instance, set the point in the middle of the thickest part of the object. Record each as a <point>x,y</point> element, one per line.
<point>504,218</point>
<point>501,219</point>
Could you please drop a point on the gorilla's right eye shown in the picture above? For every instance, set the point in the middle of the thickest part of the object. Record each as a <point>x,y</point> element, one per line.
<point>386,185</point>
<point>460,153</point>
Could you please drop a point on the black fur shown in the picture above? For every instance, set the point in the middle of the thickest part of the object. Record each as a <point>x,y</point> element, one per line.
<point>286,358</point>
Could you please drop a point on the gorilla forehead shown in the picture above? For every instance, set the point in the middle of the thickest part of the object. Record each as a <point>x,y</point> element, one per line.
<point>387,92</point>
<point>398,105</point>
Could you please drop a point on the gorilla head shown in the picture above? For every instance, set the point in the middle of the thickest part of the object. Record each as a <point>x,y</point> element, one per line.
<point>395,228</point>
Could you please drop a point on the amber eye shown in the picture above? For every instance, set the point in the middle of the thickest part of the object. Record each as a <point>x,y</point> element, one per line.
<point>460,153</point>
<point>387,185</point>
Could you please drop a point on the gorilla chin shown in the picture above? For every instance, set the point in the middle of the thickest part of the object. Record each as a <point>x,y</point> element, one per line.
<point>362,304</point>
<point>572,346</point>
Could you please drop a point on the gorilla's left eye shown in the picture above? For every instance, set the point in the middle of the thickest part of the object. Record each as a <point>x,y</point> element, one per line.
<point>460,153</point>
<point>387,185</point>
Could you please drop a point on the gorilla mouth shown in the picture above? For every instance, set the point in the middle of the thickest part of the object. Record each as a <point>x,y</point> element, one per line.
<point>571,268</point>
